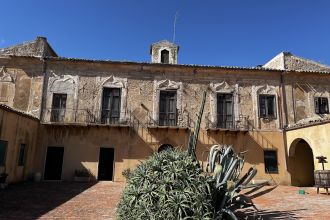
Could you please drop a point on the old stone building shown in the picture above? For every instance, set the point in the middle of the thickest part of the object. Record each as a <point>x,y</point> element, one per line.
<point>107,116</point>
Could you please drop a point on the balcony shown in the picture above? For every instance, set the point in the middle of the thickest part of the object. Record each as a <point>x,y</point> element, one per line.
<point>241,124</point>
<point>83,116</point>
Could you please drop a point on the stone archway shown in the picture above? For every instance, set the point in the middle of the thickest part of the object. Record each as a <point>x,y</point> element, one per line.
<point>301,163</point>
<point>164,147</point>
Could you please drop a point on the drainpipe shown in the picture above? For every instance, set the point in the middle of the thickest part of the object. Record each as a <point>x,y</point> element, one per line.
<point>285,109</point>
<point>284,101</point>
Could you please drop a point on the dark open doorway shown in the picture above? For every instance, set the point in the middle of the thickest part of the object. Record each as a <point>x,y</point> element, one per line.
<point>54,161</point>
<point>301,163</point>
<point>106,161</point>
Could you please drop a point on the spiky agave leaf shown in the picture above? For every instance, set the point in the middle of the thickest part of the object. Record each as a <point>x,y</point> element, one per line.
<point>169,185</point>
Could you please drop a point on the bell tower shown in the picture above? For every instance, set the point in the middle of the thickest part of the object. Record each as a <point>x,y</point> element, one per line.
<point>164,52</point>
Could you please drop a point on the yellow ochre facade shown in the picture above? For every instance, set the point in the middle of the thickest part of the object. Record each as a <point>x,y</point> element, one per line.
<point>108,116</point>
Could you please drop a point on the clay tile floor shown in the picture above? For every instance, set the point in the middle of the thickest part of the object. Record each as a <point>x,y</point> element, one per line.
<point>67,200</point>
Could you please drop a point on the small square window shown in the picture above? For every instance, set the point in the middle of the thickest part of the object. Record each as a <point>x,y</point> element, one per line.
<point>321,105</point>
<point>270,159</point>
<point>3,150</point>
<point>21,156</point>
<point>267,106</point>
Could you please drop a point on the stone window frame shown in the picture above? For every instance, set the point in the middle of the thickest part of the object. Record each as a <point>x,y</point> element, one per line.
<point>171,57</point>
<point>265,90</point>
<point>72,94</point>
<point>320,97</point>
<point>163,85</point>
<point>322,94</point>
<point>268,116</point>
<point>222,88</point>
<point>114,82</point>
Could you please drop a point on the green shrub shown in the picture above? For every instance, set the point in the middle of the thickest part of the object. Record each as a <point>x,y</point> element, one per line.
<point>169,185</point>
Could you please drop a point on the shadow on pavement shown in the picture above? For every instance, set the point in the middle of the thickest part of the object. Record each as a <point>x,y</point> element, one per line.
<point>32,200</point>
<point>252,214</point>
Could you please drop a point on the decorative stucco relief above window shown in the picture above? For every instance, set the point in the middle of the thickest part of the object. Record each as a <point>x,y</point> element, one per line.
<point>63,84</point>
<point>222,88</point>
<point>167,84</point>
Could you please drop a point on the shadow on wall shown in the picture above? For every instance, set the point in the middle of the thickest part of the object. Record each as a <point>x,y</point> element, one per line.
<point>33,200</point>
<point>241,141</point>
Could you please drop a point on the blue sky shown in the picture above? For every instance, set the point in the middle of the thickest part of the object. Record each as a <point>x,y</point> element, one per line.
<point>214,32</point>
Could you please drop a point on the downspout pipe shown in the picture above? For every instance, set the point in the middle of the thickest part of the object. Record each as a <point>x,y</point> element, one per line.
<point>285,125</point>
<point>284,101</point>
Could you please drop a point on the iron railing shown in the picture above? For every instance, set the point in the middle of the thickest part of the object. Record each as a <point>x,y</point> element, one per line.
<point>241,123</point>
<point>85,116</point>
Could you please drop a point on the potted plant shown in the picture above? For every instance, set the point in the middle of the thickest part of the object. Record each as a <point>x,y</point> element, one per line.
<point>82,175</point>
<point>3,177</point>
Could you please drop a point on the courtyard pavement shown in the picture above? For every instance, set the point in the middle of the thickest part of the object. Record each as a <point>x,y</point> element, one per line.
<point>67,200</point>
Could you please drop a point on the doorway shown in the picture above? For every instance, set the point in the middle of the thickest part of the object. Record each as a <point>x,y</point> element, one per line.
<point>106,164</point>
<point>54,161</point>
<point>301,164</point>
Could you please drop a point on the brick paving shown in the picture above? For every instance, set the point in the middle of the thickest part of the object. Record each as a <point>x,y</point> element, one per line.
<point>67,200</point>
<point>284,202</point>
<point>61,200</point>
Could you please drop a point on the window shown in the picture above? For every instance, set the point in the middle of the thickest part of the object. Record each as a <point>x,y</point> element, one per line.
<point>225,110</point>
<point>110,106</point>
<point>58,107</point>
<point>321,105</point>
<point>167,108</point>
<point>21,156</point>
<point>3,150</point>
<point>164,56</point>
<point>270,157</point>
<point>267,106</point>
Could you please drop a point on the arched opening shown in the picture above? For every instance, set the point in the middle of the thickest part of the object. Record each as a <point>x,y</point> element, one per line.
<point>164,56</point>
<point>301,163</point>
<point>164,147</point>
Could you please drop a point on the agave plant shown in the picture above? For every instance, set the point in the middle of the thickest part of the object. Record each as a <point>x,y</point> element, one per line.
<point>173,185</point>
<point>169,185</point>
<point>226,167</point>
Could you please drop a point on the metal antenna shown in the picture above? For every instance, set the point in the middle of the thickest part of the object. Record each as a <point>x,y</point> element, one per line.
<point>174,25</point>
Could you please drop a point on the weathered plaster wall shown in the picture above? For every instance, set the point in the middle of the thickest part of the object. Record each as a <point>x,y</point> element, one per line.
<point>18,129</point>
<point>301,89</point>
<point>21,82</point>
<point>141,86</point>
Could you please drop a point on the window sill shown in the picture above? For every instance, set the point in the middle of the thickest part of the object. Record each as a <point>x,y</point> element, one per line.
<point>268,118</point>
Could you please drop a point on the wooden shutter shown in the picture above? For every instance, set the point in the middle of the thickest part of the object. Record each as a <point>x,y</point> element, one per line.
<point>110,105</point>
<point>58,107</point>
<point>262,106</point>
<point>225,109</point>
<point>115,105</point>
<point>323,105</point>
<point>270,106</point>
<point>167,108</point>
<point>316,105</point>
